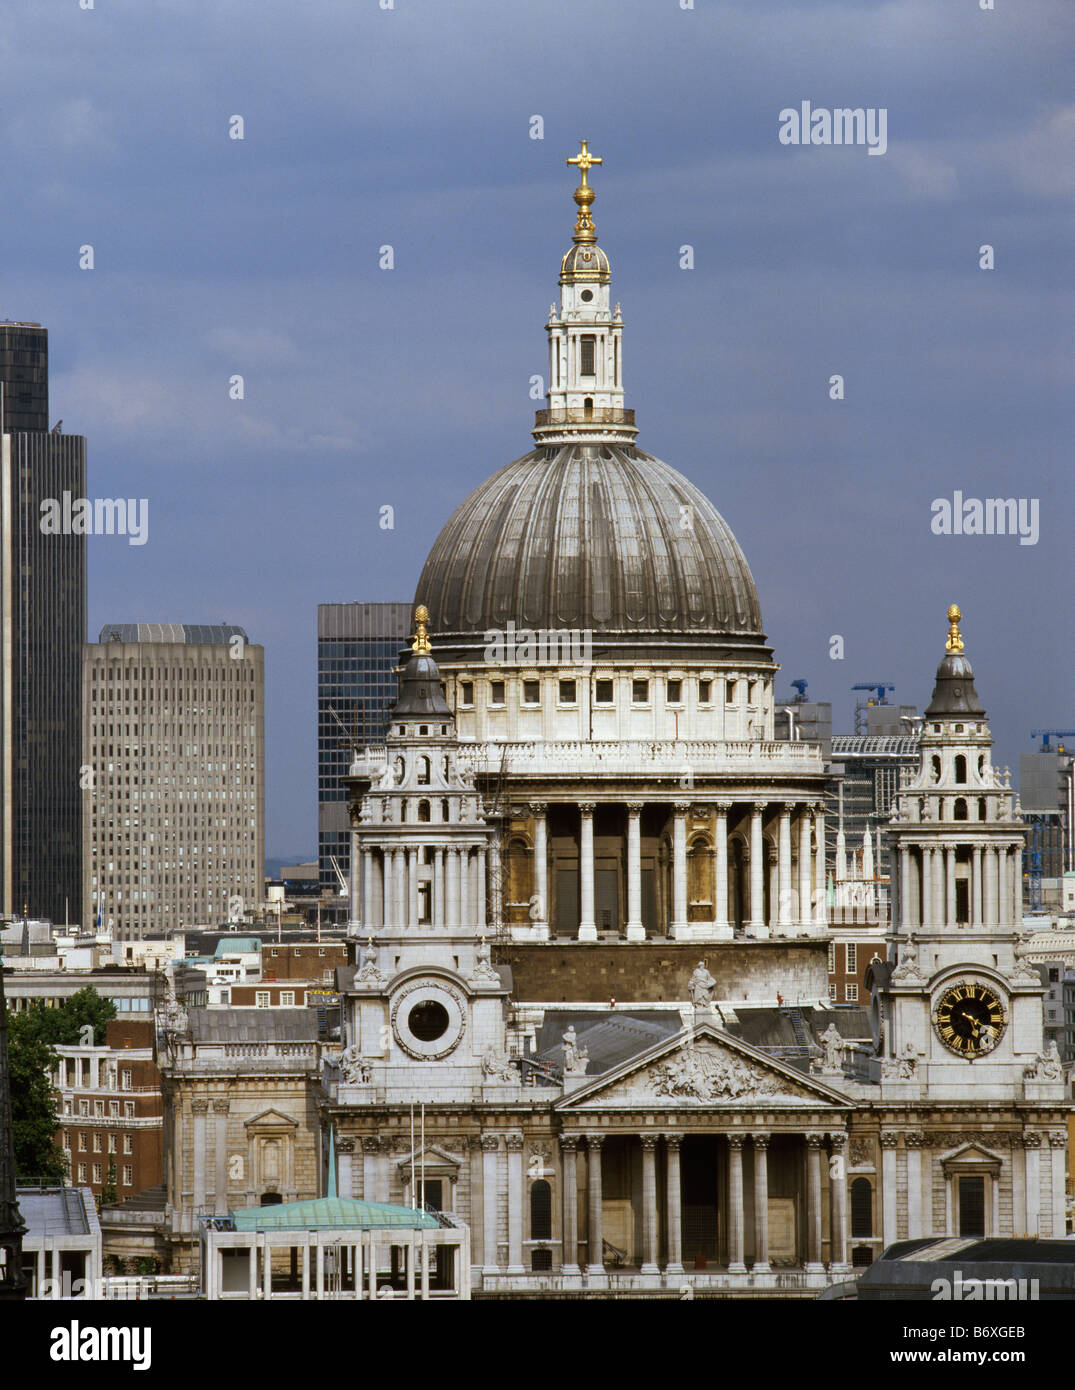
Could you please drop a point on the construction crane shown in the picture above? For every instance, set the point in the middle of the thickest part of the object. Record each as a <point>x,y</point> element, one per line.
<point>1046,734</point>
<point>345,890</point>
<point>880,687</point>
<point>800,687</point>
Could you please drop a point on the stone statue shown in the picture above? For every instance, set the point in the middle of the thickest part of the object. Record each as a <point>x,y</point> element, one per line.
<point>1023,968</point>
<point>496,1067</point>
<point>353,1070</point>
<point>1046,1067</point>
<point>700,987</point>
<point>833,1047</point>
<point>576,1059</point>
<point>902,1067</point>
<point>174,1022</point>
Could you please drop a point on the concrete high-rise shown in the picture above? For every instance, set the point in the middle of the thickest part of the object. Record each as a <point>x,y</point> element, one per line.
<point>174,732</point>
<point>358,646</point>
<point>42,631</point>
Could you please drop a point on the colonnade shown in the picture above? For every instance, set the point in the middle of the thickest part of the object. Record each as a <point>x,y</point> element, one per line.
<point>411,885</point>
<point>928,878</point>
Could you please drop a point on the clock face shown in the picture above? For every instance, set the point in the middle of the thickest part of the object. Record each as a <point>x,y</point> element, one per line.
<point>969,1018</point>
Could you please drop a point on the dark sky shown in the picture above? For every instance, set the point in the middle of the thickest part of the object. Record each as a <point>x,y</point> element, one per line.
<point>365,387</point>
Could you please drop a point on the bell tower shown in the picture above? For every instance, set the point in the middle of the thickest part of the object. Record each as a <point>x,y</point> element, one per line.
<point>963,1008</point>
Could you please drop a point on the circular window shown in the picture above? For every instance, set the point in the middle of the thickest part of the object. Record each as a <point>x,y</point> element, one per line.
<point>586,296</point>
<point>428,1020</point>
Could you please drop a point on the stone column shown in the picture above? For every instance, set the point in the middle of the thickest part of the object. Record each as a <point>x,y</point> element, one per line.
<point>569,1144</point>
<point>976,886</point>
<point>720,887</point>
<point>783,860</point>
<point>345,1180</point>
<point>412,887</point>
<point>889,1194</point>
<point>674,1203</point>
<point>939,892</point>
<point>451,888</point>
<point>372,1163</point>
<point>950,885</point>
<point>481,912</point>
<point>1004,887</point>
<point>367,888</point>
<point>438,887</point>
<point>989,885</point>
<point>679,868</point>
<point>821,887</point>
<point>838,1183</point>
<point>596,1249</point>
<point>490,1201</point>
<point>1017,888</point>
<point>1032,1145</point>
<point>814,1145</point>
<point>913,1140</point>
<point>1058,1154</point>
<point>735,1205</point>
<point>220,1177</point>
<point>905,888</point>
<point>464,887</point>
<point>200,1107</point>
<point>758,925</point>
<point>401,888</point>
<point>587,925</point>
<point>355,878</point>
<point>540,923</point>
<point>514,1143</point>
<point>806,919</point>
<point>635,929</point>
<point>388,888</point>
<point>649,1203</point>
<point>761,1204</point>
<point>496,885</point>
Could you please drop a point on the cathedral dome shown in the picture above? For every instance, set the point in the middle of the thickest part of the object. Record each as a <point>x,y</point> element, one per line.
<point>590,536</point>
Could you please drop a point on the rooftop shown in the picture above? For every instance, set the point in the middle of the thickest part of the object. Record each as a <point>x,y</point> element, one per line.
<point>333,1213</point>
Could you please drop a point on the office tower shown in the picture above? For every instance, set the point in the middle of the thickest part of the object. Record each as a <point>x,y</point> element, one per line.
<point>174,732</point>
<point>358,647</point>
<point>42,630</point>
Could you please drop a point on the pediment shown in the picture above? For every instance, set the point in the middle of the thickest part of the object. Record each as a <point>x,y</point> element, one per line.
<point>270,1119</point>
<point>435,1157</point>
<point>971,1156</point>
<point>702,1067</point>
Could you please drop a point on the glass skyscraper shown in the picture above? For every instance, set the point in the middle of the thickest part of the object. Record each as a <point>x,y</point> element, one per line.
<point>358,646</point>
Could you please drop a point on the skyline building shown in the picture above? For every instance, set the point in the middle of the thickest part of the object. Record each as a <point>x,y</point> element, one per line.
<point>42,630</point>
<point>358,647</point>
<point>174,738</point>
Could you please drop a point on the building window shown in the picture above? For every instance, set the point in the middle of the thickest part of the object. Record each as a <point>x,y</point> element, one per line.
<point>961,769</point>
<point>96,1141</point>
<point>287,998</point>
<point>675,692</point>
<point>567,692</point>
<point>83,1107</point>
<point>82,1172</point>
<point>640,692</point>
<point>705,691</point>
<point>82,1140</point>
<point>861,1209</point>
<point>531,692</point>
<point>540,1210</point>
<point>496,692</point>
<point>466,693</point>
<point>541,1261</point>
<point>424,814</point>
<point>128,1143</point>
<point>603,692</point>
<point>127,1079</point>
<point>832,957</point>
<point>587,345</point>
<point>851,953</point>
<point>112,1144</point>
<point>97,1172</point>
<point>261,998</point>
<point>424,770</point>
<point>128,1175</point>
<point>275,952</point>
<point>851,994</point>
<point>128,1109</point>
<point>960,810</point>
<point>832,994</point>
<point>99,1109</point>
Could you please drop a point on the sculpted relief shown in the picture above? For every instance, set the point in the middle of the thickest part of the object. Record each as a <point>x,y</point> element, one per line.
<point>709,1074</point>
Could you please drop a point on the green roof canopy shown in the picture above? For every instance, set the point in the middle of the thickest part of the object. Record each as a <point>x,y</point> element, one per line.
<point>333,1213</point>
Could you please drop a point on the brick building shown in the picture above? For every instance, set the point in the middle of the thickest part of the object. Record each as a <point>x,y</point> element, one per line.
<point>109,1105</point>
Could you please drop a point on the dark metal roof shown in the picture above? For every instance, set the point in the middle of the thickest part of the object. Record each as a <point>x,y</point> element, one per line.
<point>253,1025</point>
<point>609,1039</point>
<point>589,536</point>
<point>419,690</point>
<point>954,692</point>
<point>217,634</point>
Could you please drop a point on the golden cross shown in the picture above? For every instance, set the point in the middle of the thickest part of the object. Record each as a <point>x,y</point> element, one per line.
<point>584,159</point>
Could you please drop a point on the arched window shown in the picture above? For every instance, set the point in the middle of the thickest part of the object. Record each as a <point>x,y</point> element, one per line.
<point>861,1209</point>
<point>700,880</point>
<point>960,810</point>
<point>961,769</point>
<point>587,408</point>
<point>520,881</point>
<point>936,765</point>
<point>540,1211</point>
<point>541,1261</point>
<point>445,811</point>
<point>423,811</point>
<point>981,808</point>
<point>423,771</point>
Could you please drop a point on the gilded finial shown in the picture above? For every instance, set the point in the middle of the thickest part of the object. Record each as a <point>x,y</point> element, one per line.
<point>584,194</point>
<point>420,645</point>
<point>954,642</point>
